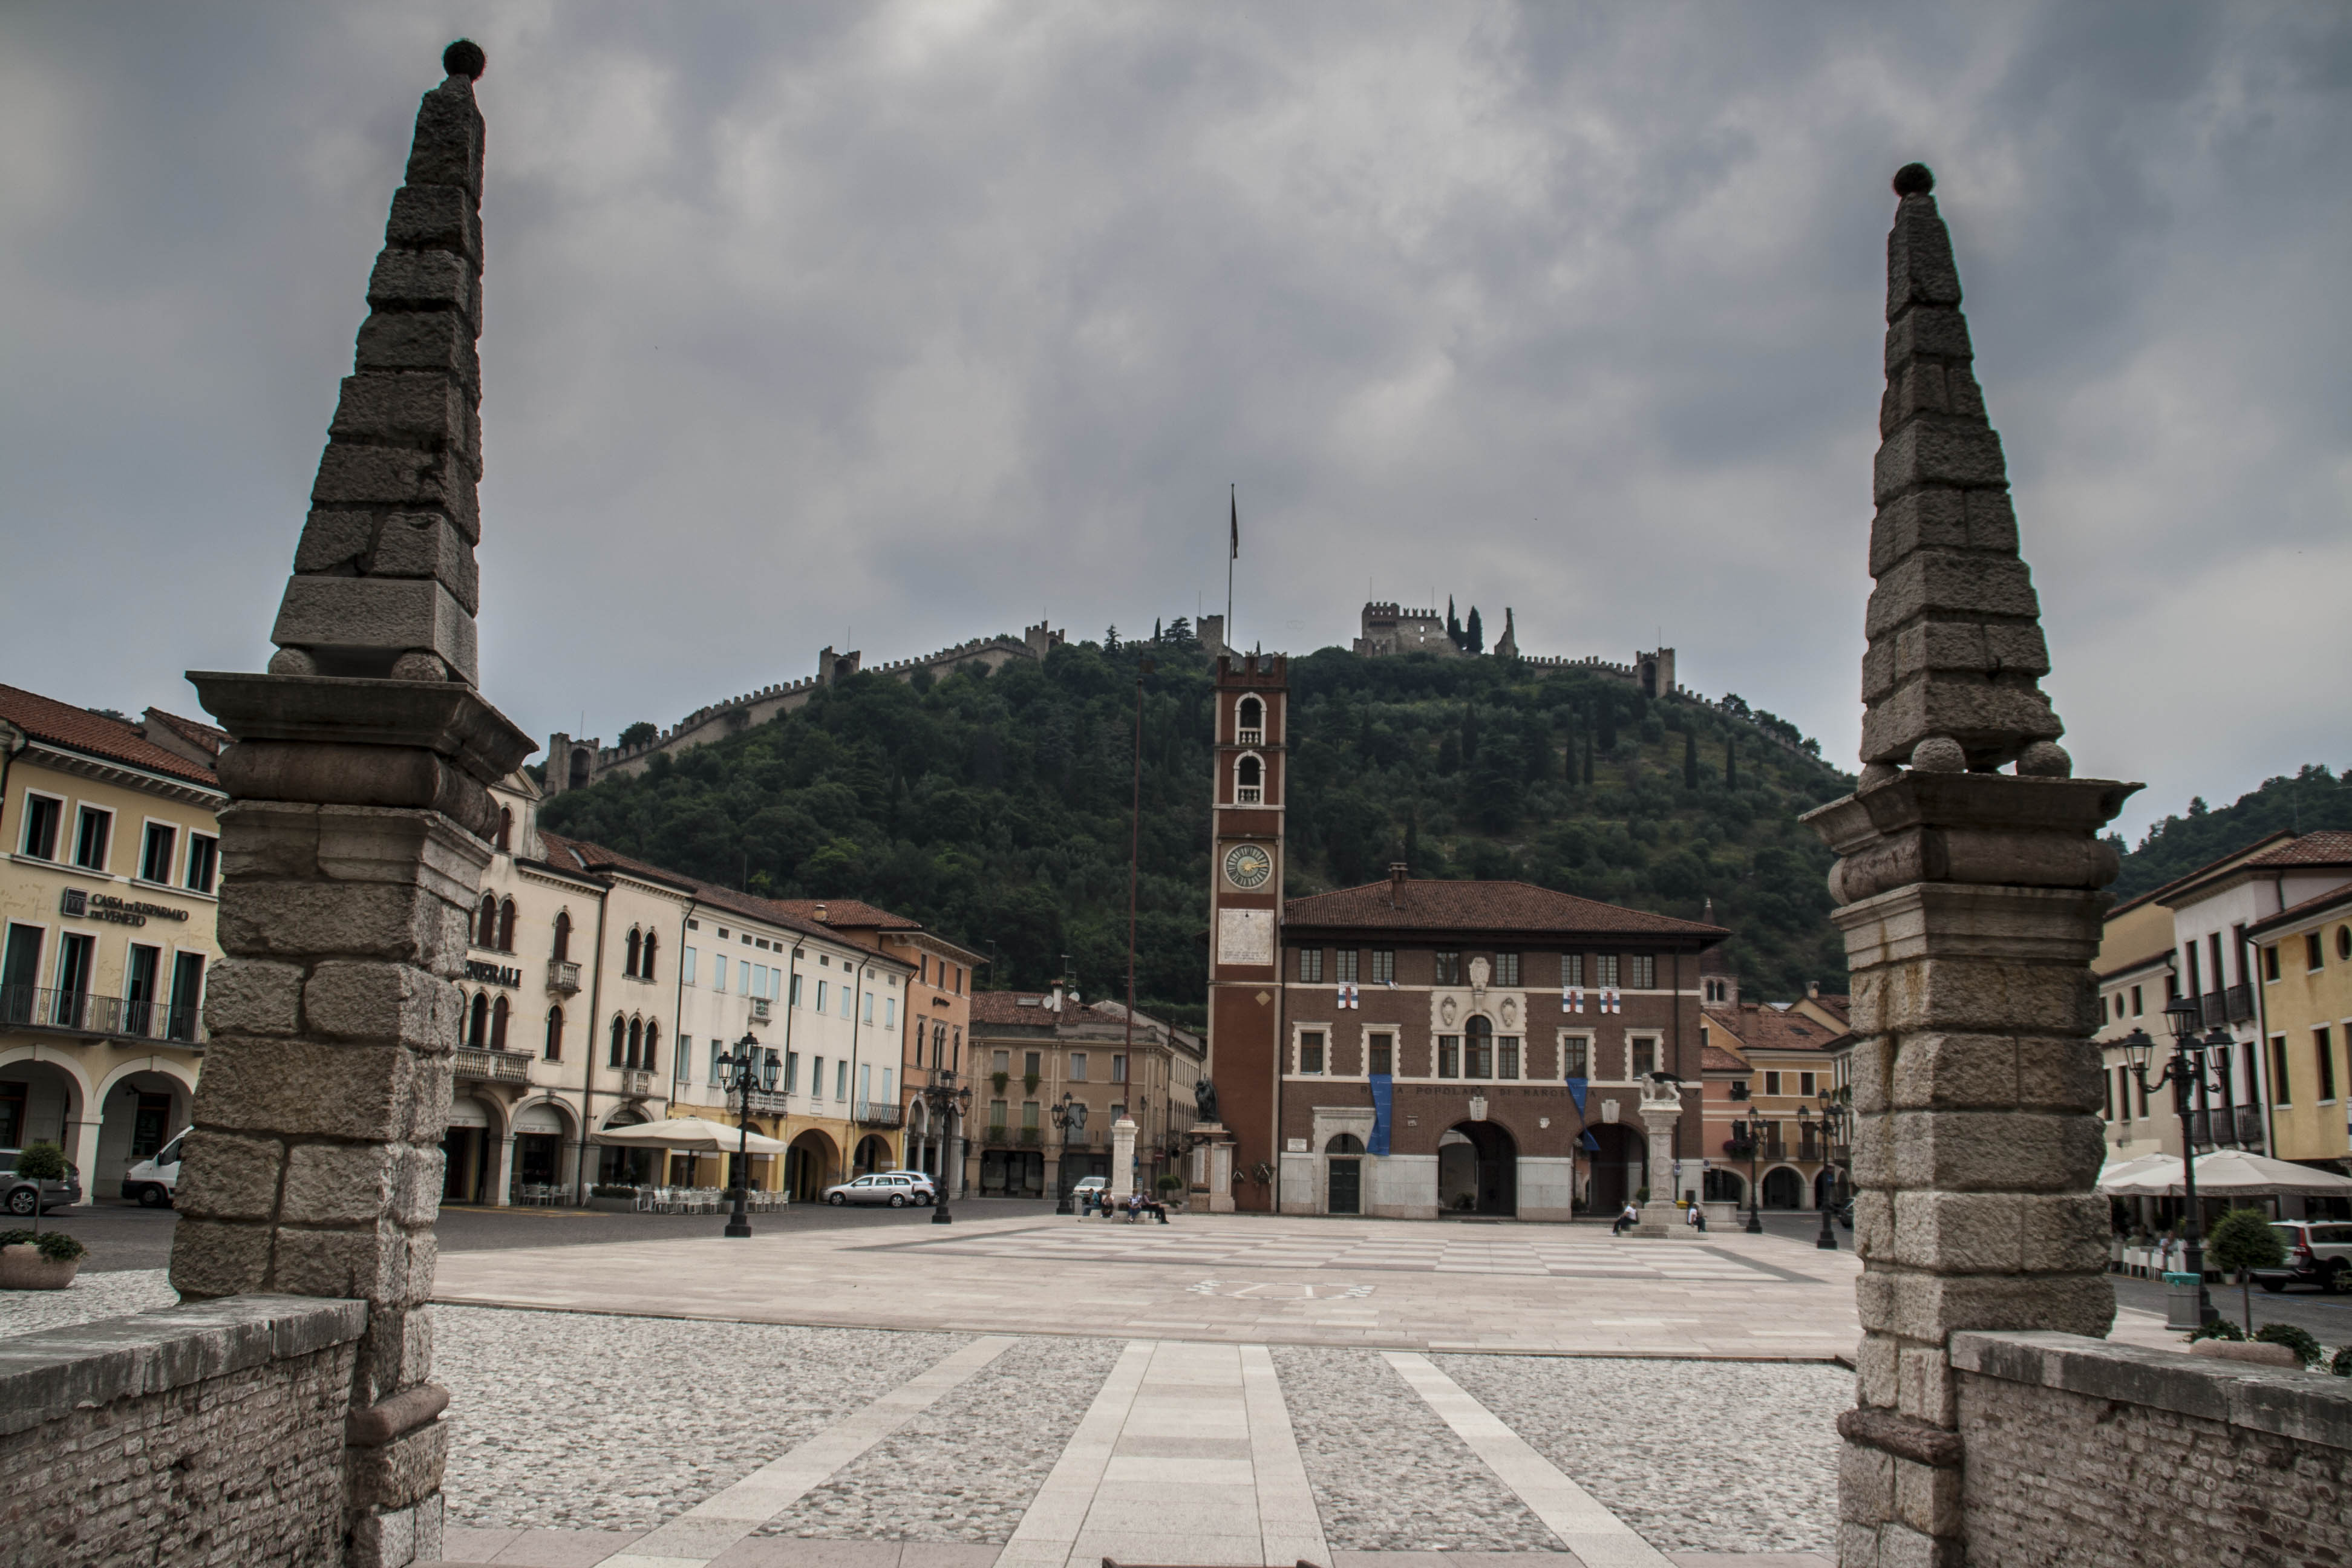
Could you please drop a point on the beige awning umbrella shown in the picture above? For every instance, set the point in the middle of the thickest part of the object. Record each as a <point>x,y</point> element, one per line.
<point>2115,1171</point>
<point>2232,1173</point>
<point>687,1134</point>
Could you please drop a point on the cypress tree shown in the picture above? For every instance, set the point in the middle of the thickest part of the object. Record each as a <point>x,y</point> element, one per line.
<point>1690,759</point>
<point>1607,726</point>
<point>1588,754</point>
<point>1731,762</point>
<point>1473,636</point>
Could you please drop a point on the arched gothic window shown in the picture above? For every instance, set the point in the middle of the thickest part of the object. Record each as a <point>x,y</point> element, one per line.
<point>620,1037</point>
<point>1478,1036</point>
<point>555,1034</point>
<point>486,921</point>
<point>637,1041</point>
<point>477,1021</point>
<point>506,831</point>
<point>506,926</point>
<point>499,1024</point>
<point>629,962</point>
<point>653,1047</point>
<point>645,959</point>
<point>1249,781</point>
<point>563,933</point>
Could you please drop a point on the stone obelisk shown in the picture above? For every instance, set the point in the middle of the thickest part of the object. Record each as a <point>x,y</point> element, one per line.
<point>1971,906</point>
<point>358,828</point>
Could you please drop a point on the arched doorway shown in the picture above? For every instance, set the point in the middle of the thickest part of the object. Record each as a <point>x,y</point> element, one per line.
<point>873,1154</point>
<point>808,1165</point>
<point>469,1152</point>
<point>1478,1169</point>
<point>1617,1158</point>
<point>138,1113</point>
<point>539,1137</point>
<point>1344,1181</point>
<point>1720,1186</point>
<point>1782,1188</point>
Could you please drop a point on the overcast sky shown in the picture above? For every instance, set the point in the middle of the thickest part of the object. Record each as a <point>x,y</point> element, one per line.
<point>886,326</point>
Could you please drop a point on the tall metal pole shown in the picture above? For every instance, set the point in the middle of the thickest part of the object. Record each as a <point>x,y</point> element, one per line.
<point>1134,860</point>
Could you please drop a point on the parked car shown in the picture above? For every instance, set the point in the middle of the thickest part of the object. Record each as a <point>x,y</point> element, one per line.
<point>152,1182</point>
<point>897,1188</point>
<point>21,1196</point>
<point>2318,1252</point>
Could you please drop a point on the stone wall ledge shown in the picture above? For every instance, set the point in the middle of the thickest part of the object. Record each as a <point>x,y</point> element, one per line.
<point>2302,1406</point>
<point>46,1376</point>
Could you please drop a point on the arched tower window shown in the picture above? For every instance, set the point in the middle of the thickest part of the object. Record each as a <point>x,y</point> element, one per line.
<point>563,933</point>
<point>1249,722</point>
<point>506,830</point>
<point>554,1034</point>
<point>629,962</point>
<point>645,959</point>
<point>506,926</point>
<point>637,1041</point>
<point>1249,781</point>
<point>486,921</point>
<point>1478,1037</point>
<point>477,1021</point>
<point>620,1038</point>
<point>499,1011</point>
<point>653,1047</point>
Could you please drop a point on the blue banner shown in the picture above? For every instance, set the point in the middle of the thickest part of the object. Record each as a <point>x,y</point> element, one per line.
<point>1592,1145</point>
<point>1380,1101</point>
<point>1576,1087</point>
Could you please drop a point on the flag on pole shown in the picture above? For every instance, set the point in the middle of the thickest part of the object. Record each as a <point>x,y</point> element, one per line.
<point>1234,497</point>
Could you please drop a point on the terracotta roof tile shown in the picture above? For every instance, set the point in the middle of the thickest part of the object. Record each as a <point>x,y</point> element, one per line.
<point>1757,1026</point>
<point>1715,1058</point>
<point>79,729</point>
<point>2317,903</point>
<point>596,857</point>
<point>2328,847</point>
<point>1514,908</point>
<point>207,737</point>
<point>847,912</point>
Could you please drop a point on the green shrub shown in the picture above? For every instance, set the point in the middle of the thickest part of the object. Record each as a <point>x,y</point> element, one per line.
<point>55,1246</point>
<point>2245,1240</point>
<point>1170,1182</point>
<point>2299,1340</point>
<point>2219,1329</point>
<point>41,1162</point>
<point>2342,1365</point>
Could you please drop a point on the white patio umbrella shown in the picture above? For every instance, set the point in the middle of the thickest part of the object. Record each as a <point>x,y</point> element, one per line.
<point>2115,1171</point>
<point>687,1134</point>
<point>2232,1173</point>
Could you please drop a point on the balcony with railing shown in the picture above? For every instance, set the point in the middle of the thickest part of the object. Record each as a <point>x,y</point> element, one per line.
<point>493,1067</point>
<point>759,1006</point>
<point>2216,1005</point>
<point>2227,1127</point>
<point>2239,1003</point>
<point>1248,736</point>
<point>637,1083</point>
<point>562,976</point>
<point>85,1014</point>
<point>874,1113</point>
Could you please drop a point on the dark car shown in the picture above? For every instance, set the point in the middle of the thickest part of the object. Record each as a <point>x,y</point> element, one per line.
<point>19,1196</point>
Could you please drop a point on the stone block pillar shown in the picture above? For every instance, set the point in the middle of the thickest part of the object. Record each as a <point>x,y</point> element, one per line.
<point>1662,1113</point>
<point>358,825</point>
<point>1122,1158</point>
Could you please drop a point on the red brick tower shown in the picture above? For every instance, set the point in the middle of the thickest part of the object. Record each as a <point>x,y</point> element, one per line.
<point>1245,884</point>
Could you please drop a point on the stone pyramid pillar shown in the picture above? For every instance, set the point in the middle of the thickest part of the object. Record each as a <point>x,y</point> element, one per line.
<point>385,583</point>
<point>1952,679</point>
<point>1971,904</point>
<point>359,823</point>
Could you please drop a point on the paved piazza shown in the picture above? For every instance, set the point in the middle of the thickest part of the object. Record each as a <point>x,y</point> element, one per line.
<point>1020,1392</point>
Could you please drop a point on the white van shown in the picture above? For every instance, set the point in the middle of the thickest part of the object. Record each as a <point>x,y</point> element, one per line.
<point>152,1182</point>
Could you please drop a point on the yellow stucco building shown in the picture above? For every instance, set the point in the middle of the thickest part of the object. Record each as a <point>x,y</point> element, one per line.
<point>2306,990</point>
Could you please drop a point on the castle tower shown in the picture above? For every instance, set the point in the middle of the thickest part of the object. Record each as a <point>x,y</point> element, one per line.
<point>1245,889</point>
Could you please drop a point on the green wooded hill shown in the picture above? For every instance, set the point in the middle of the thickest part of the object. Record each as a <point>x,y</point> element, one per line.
<point>2313,798</point>
<point>996,809</point>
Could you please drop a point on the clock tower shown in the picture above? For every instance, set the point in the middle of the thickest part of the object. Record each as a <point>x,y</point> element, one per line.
<point>1246,886</point>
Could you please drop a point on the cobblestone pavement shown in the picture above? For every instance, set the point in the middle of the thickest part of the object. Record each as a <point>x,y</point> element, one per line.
<point>574,1420</point>
<point>966,1469</point>
<point>1387,1473</point>
<point>89,1298</point>
<point>1695,1456</point>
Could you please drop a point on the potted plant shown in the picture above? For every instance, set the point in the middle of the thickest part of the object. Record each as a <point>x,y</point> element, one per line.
<point>2243,1242</point>
<point>999,1079</point>
<point>1170,1186</point>
<point>45,1260</point>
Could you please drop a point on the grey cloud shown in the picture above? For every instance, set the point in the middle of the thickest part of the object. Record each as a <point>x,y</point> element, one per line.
<point>911,322</point>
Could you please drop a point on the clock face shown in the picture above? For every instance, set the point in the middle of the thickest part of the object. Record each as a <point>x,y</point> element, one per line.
<point>1248,866</point>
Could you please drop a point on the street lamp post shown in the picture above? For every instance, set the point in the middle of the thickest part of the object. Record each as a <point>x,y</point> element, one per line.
<point>2186,1073</point>
<point>944,1099</point>
<point>1070,1116</point>
<point>749,1069</point>
<point>1747,1138</point>
<point>1827,1129</point>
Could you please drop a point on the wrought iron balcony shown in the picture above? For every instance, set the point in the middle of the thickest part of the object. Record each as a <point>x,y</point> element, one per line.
<point>493,1067</point>
<point>85,1014</point>
<point>562,976</point>
<point>2239,1001</point>
<point>2216,1005</point>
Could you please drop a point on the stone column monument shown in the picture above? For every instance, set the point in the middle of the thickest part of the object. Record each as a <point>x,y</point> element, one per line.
<point>1122,1158</point>
<point>1662,1113</point>
<point>351,850</point>
<point>1971,908</point>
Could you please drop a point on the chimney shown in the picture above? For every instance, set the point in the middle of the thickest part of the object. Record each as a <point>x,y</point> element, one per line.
<point>1814,990</point>
<point>820,915</point>
<point>1397,872</point>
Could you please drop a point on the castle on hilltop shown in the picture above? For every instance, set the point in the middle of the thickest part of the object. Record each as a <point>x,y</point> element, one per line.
<point>1390,629</point>
<point>577,763</point>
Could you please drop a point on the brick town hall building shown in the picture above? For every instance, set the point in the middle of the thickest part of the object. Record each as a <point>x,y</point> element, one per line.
<point>1413,1048</point>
